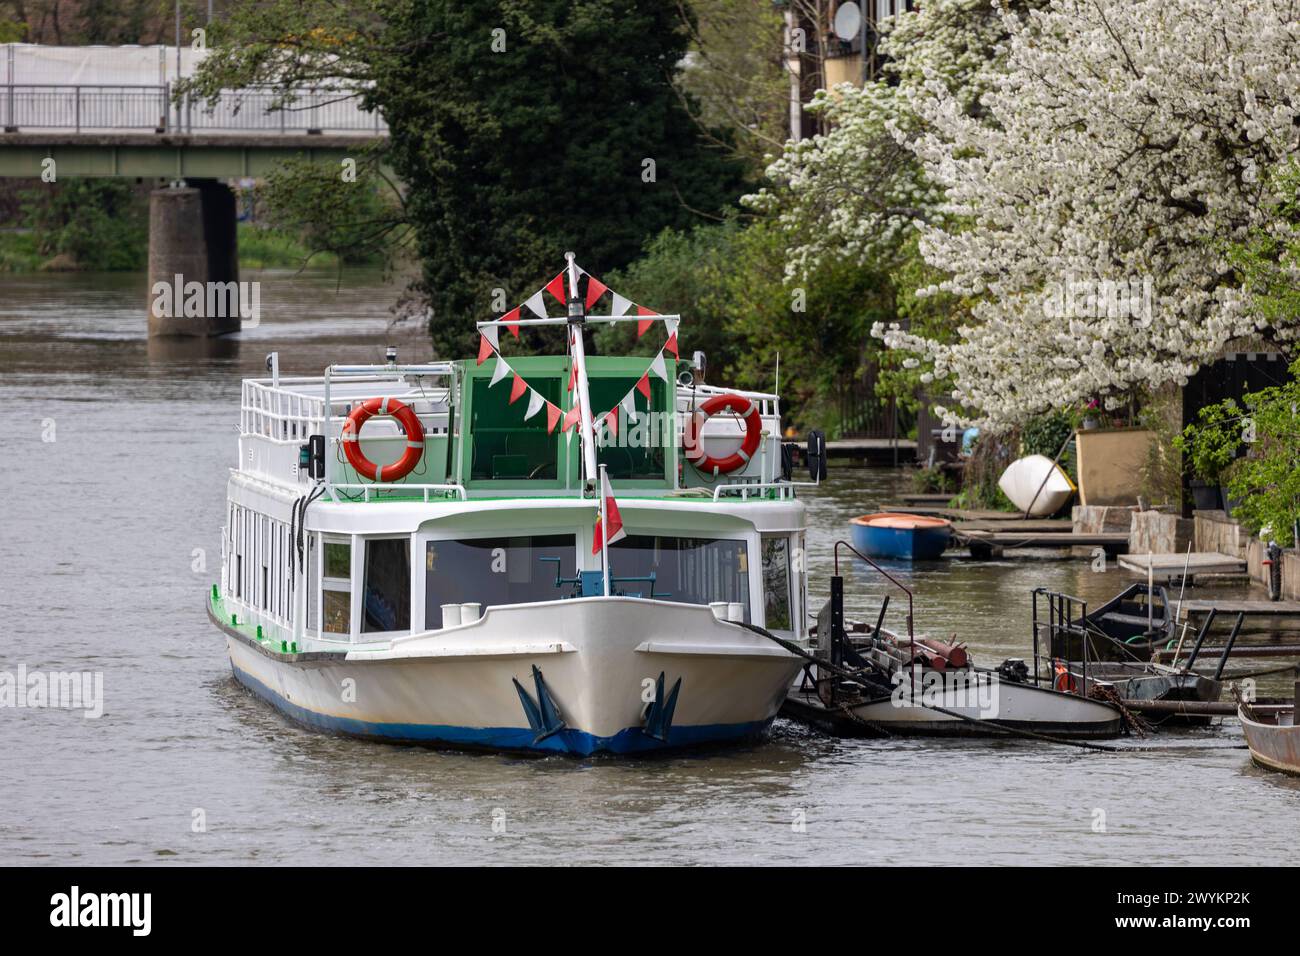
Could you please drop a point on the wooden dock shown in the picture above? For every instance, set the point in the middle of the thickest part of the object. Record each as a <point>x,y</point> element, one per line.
<point>1173,565</point>
<point>874,451</point>
<point>1249,608</point>
<point>984,544</point>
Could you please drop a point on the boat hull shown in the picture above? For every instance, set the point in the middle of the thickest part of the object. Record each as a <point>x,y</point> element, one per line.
<point>1011,706</point>
<point>598,660</point>
<point>1273,746</point>
<point>909,544</point>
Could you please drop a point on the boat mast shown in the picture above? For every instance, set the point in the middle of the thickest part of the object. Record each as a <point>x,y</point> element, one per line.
<point>577,322</point>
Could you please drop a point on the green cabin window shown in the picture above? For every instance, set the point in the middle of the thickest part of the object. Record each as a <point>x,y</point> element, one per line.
<point>503,445</point>
<point>639,451</point>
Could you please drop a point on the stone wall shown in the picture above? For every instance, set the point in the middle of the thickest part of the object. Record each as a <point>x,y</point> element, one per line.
<point>1157,532</point>
<point>1215,531</point>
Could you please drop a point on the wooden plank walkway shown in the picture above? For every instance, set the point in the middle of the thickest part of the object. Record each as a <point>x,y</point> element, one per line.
<point>1249,608</point>
<point>1172,565</point>
<point>1047,539</point>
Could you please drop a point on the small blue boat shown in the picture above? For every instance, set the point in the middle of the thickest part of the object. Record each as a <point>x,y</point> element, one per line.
<point>892,535</point>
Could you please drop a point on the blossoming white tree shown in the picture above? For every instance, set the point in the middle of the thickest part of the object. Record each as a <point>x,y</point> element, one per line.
<point>1129,140</point>
<point>1116,142</point>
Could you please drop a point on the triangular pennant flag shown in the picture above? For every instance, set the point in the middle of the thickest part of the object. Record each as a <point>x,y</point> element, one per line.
<point>509,319</point>
<point>643,326</point>
<point>671,345</point>
<point>629,406</point>
<point>556,287</point>
<point>620,305</point>
<point>484,346</point>
<point>611,422</point>
<point>571,417</point>
<point>537,304</point>
<point>659,368</point>
<point>517,388</point>
<point>573,376</point>
<point>643,386</point>
<point>607,519</point>
<point>595,289</point>
<point>500,372</point>
<point>552,416</point>
<point>535,403</point>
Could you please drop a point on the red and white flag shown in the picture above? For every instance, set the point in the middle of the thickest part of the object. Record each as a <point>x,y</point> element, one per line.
<point>608,517</point>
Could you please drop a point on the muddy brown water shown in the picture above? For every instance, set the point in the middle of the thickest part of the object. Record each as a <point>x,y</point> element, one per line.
<point>111,539</point>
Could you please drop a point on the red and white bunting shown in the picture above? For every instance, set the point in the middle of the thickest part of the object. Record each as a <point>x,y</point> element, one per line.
<point>571,417</point>
<point>552,416</point>
<point>511,321</point>
<point>489,336</point>
<point>629,406</point>
<point>643,385</point>
<point>500,372</point>
<point>659,368</point>
<point>643,326</point>
<point>536,304</point>
<point>556,288</point>
<point>517,389</point>
<point>595,289</point>
<point>535,403</point>
<point>611,422</point>
<point>618,304</point>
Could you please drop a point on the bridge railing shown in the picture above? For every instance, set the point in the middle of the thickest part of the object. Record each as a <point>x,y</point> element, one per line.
<point>100,108</point>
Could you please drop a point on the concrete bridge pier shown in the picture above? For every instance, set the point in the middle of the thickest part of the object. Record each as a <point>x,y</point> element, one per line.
<point>193,260</point>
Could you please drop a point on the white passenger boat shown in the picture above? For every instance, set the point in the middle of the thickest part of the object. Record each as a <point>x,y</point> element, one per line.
<point>452,573</point>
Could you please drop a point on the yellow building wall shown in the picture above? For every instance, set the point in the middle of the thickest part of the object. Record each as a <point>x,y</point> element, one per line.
<point>1110,464</point>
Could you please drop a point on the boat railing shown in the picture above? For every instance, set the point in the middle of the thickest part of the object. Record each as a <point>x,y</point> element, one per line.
<point>759,489</point>
<point>1062,611</point>
<point>356,491</point>
<point>911,636</point>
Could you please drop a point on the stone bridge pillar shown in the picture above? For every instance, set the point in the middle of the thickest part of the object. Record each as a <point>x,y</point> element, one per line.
<point>193,260</point>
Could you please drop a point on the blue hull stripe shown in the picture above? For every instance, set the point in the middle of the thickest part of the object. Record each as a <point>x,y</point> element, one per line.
<point>567,741</point>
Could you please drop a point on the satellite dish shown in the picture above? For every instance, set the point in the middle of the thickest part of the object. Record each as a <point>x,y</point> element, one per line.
<point>848,21</point>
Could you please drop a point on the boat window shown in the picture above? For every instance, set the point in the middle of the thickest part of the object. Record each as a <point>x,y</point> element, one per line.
<point>503,444</point>
<point>688,570</point>
<point>495,571</point>
<point>313,582</point>
<point>639,448</point>
<point>387,604</point>
<point>336,586</point>
<point>776,583</point>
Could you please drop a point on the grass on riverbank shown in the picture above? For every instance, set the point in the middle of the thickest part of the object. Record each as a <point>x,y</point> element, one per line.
<point>258,249</point>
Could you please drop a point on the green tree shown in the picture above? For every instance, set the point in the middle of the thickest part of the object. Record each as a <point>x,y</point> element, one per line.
<point>101,225</point>
<point>519,130</point>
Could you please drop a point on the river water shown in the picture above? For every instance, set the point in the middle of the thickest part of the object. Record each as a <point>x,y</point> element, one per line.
<point>117,457</point>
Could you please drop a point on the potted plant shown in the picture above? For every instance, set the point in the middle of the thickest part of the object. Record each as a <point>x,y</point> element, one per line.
<point>1210,446</point>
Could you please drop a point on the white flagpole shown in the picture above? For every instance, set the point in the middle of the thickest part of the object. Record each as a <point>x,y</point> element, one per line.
<point>580,362</point>
<point>604,531</point>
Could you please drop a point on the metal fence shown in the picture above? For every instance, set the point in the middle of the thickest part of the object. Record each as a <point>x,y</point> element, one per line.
<point>90,108</point>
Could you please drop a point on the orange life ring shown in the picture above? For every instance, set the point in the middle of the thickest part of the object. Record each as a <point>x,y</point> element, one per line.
<point>743,407</point>
<point>405,416</point>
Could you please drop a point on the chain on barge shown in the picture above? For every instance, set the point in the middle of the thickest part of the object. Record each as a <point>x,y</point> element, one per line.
<point>550,553</point>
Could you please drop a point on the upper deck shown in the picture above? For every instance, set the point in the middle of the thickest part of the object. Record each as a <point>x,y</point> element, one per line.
<point>494,433</point>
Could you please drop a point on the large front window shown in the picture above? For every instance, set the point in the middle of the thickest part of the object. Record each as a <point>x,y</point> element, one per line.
<point>494,571</point>
<point>687,570</point>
